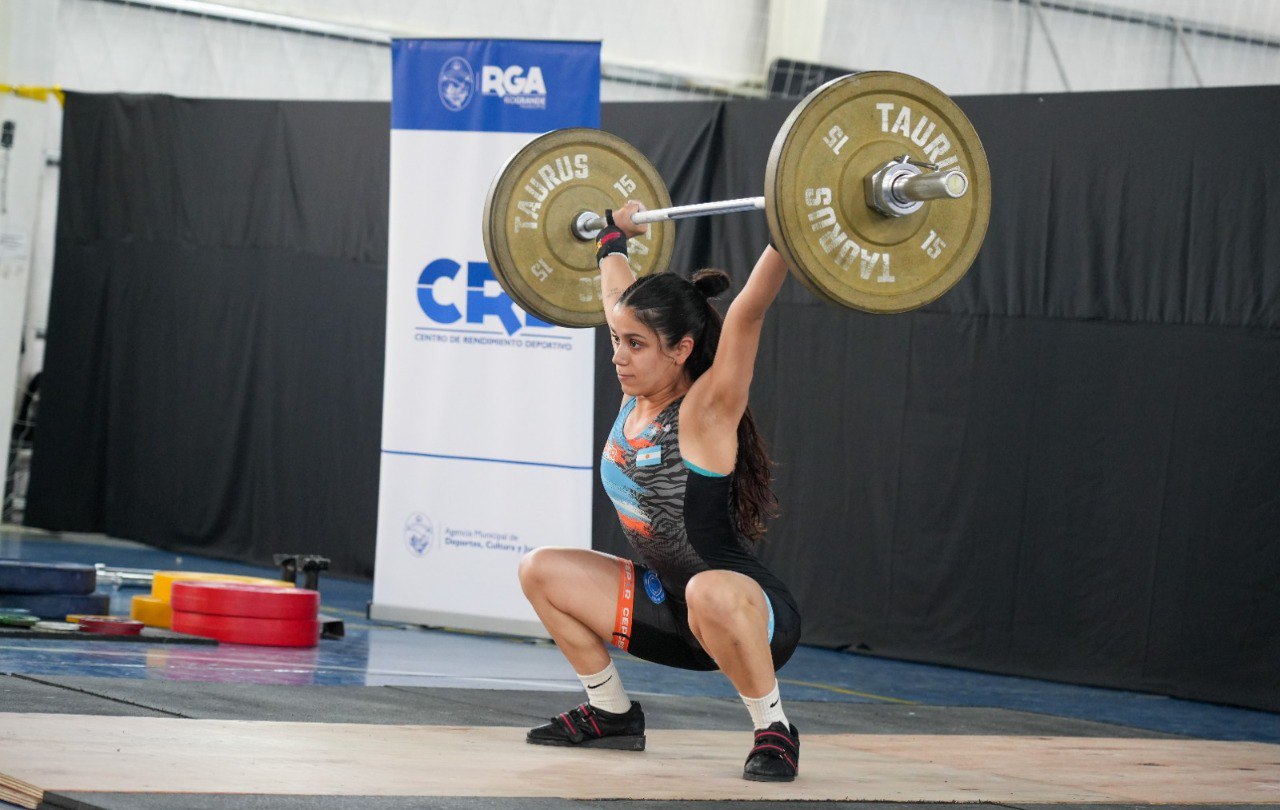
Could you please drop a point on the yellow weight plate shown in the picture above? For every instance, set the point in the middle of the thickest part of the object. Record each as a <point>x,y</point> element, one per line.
<point>151,611</point>
<point>162,582</point>
<point>531,208</point>
<point>816,200</point>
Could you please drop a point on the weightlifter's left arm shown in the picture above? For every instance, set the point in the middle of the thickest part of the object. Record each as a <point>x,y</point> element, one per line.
<point>728,381</point>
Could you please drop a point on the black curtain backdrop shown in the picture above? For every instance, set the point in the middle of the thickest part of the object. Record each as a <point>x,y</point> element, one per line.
<point>214,361</point>
<point>1068,467</point>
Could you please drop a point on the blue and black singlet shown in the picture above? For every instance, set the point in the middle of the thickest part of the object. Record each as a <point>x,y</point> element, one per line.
<point>680,521</point>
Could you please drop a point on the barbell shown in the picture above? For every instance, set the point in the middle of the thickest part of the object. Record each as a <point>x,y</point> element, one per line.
<point>877,194</point>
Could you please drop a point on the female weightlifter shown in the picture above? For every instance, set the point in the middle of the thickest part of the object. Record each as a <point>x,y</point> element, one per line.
<point>690,479</point>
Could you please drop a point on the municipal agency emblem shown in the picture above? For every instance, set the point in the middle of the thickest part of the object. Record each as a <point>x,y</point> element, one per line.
<point>419,534</point>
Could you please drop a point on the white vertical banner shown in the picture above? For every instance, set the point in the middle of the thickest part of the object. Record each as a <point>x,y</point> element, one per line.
<point>487,411</point>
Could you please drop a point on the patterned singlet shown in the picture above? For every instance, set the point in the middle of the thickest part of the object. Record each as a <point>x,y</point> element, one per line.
<point>647,480</point>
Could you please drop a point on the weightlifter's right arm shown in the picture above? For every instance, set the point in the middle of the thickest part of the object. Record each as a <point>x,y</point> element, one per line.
<point>615,272</point>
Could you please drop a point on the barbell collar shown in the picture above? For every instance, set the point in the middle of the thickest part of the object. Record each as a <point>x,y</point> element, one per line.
<point>587,225</point>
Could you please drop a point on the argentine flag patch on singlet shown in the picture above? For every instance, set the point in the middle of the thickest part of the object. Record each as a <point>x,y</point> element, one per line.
<point>649,456</point>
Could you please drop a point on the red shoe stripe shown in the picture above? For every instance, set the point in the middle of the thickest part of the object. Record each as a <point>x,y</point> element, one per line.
<point>591,716</point>
<point>790,741</point>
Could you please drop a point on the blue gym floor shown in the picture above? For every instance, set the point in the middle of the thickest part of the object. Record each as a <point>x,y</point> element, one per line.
<point>382,654</point>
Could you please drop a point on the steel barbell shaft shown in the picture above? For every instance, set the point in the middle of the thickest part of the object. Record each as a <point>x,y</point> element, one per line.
<point>700,209</point>
<point>951,184</point>
<point>125,577</point>
<point>589,223</point>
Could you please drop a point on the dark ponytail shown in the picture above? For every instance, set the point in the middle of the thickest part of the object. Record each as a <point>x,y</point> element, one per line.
<point>710,282</point>
<point>674,307</point>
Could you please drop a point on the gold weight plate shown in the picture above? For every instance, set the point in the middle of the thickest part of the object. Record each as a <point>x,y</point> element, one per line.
<point>531,208</point>
<point>842,249</point>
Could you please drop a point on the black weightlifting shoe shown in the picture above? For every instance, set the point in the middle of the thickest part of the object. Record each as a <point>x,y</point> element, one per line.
<point>589,727</point>
<point>776,756</point>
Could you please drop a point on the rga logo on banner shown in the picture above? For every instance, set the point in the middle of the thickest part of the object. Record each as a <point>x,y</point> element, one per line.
<point>419,534</point>
<point>457,83</point>
<point>515,85</point>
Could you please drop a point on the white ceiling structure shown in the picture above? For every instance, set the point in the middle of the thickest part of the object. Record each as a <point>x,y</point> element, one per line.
<point>666,49</point>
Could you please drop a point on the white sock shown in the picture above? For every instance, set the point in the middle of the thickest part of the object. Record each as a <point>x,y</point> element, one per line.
<point>767,710</point>
<point>604,690</point>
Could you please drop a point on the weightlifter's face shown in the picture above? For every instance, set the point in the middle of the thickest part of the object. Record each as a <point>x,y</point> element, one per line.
<point>643,364</point>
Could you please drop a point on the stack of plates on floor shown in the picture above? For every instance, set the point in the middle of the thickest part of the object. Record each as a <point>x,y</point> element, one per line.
<point>238,613</point>
<point>50,590</point>
<point>156,611</point>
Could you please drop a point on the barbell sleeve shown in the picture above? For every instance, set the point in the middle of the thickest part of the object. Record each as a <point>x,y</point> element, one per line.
<point>931,186</point>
